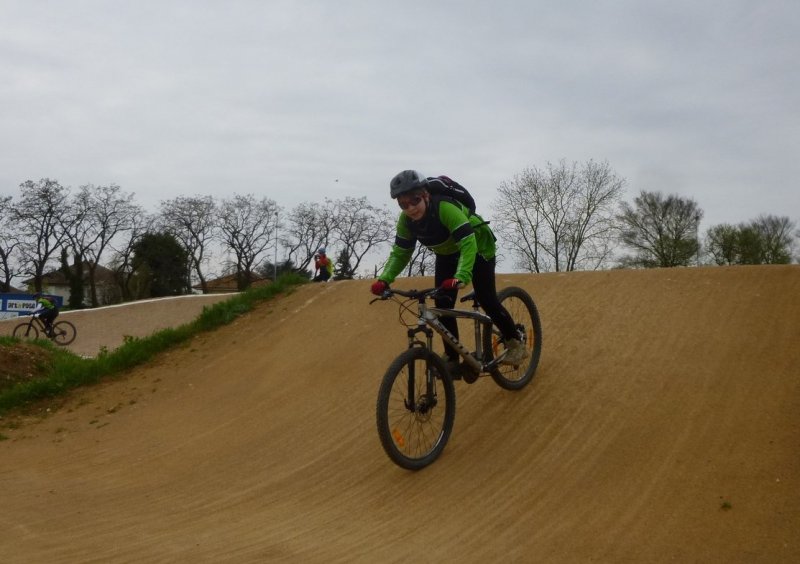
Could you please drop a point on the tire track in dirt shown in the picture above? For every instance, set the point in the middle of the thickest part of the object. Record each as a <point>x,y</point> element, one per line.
<point>662,426</point>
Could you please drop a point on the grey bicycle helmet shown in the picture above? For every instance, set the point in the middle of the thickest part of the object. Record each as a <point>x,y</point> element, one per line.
<point>407,181</point>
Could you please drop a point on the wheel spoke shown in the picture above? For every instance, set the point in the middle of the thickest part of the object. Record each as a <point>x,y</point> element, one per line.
<point>414,430</point>
<point>523,311</point>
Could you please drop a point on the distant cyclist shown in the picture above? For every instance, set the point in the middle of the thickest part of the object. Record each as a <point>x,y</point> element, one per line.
<point>465,249</point>
<point>46,310</point>
<point>323,266</point>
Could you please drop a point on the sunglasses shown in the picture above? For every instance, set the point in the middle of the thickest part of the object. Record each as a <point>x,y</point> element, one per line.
<point>410,202</point>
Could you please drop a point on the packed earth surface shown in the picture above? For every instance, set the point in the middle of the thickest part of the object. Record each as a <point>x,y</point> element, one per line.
<point>663,425</point>
<point>22,363</point>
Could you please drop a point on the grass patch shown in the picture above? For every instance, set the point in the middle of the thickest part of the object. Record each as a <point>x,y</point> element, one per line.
<point>67,371</point>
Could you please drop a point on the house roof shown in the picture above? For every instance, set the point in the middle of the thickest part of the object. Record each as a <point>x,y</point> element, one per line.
<point>56,277</point>
<point>228,283</point>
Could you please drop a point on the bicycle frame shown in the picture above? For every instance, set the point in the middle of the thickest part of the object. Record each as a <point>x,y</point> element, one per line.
<point>428,318</point>
<point>36,322</point>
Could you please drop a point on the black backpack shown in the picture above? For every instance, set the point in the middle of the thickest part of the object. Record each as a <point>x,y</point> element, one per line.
<point>448,187</point>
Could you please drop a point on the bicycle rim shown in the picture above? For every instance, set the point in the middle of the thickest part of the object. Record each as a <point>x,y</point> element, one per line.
<point>413,425</point>
<point>64,333</point>
<point>526,317</point>
<point>26,331</point>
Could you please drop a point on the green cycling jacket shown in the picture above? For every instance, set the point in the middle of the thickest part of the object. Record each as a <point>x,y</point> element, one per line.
<point>46,303</point>
<point>446,228</point>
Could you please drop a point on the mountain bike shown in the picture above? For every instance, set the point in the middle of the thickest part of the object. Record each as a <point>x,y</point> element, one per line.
<point>63,332</point>
<point>416,399</point>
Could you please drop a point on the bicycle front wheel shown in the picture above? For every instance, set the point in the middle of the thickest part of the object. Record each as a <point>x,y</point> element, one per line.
<point>64,333</point>
<point>415,412</point>
<point>526,317</point>
<point>26,330</point>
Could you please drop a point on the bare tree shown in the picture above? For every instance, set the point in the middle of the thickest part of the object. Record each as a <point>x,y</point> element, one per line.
<point>359,227</point>
<point>662,231</point>
<point>8,244</point>
<point>192,222</point>
<point>422,263</point>
<point>98,215</point>
<point>595,228</point>
<point>38,217</point>
<point>561,218</point>
<point>797,235</point>
<point>76,223</point>
<point>765,240</point>
<point>308,228</point>
<point>247,227</point>
<point>123,248</point>
<point>777,238</point>
<point>113,213</point>
<point>722,244</point>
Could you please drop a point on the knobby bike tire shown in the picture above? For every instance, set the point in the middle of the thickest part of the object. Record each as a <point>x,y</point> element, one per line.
<point>526,316</point>
<point>64,333</point>
<point>26,330</point>
<point>414,438</point>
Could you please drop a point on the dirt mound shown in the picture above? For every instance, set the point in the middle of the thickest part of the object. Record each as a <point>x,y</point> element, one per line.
<point>21,363</point>
<point>663,426</point>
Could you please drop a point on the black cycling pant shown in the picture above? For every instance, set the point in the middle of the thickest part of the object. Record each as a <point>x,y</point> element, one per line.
<point>485,289</point>
<point>48,316</point>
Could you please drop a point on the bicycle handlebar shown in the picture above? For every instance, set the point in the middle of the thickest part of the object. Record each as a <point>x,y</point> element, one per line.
<point>415,294</point>
<point>419,295</point>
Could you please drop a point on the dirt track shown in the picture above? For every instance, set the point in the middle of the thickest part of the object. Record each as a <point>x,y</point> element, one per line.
<point>663,426</point>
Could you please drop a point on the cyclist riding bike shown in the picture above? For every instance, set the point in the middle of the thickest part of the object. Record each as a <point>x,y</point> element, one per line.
<point>465,251</point>
<point>323,267</point>
<point>46,310</point>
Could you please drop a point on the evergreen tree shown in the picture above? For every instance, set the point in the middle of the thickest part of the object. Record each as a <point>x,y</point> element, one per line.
<point>342,269</point>
<point>74,277</point>
<point>162,262</point>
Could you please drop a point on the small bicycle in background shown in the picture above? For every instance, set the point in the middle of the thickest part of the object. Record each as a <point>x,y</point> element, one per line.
<point>416,400</point>
<point>63,332</point>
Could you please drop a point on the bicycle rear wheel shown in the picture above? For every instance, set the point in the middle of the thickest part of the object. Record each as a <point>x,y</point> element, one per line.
<point>415,420</point>
<point>26,330</point>
<point>64,333</point>
<point>526,317</point>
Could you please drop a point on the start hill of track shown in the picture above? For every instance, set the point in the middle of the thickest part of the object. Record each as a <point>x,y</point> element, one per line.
<point>663,426</point>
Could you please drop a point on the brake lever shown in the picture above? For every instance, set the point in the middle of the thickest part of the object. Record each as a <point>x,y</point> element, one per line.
<point>438,294</point>
<point>383,297</point>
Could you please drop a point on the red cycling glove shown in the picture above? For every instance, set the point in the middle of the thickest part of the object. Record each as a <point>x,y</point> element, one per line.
<point>452,284</point>
<point>379,287</point>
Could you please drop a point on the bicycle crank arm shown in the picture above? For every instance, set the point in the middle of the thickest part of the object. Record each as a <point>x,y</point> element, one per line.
<point>494,363</point>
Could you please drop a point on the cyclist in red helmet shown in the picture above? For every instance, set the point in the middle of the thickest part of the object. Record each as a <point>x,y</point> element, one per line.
<point>323,266</point>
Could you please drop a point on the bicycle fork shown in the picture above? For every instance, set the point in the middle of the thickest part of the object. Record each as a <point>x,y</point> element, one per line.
<point>425,402</point>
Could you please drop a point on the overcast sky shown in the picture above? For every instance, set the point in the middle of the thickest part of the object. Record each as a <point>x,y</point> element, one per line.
<point>298,100</point>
